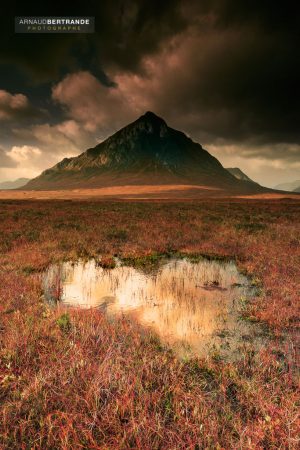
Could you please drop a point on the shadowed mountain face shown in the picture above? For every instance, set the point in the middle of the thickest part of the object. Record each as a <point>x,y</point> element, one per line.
<point>146,152</point>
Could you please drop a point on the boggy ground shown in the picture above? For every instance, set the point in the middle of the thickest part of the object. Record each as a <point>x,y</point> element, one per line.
<point>74,380</point>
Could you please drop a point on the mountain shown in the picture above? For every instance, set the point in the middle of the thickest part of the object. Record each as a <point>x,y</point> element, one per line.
<point>297,189</point>
<point>289,186</point>
<point>237,173</point>
<point>146,152</point>
<point>14,184</point>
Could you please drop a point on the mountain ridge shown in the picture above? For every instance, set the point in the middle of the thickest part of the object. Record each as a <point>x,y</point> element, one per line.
<point>15,184</point>
<point>289,186</point>
<point>148,152</point>
<point>239,174</point>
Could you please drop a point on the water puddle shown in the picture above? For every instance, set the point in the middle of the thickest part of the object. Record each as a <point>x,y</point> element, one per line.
<point>195,307</point>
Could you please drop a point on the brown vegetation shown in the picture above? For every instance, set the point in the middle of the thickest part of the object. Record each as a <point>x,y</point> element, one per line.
<point>127,191</point>
<point>72,379</point>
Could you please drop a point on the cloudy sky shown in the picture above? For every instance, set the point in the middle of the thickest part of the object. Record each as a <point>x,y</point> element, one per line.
<point>226,72</point>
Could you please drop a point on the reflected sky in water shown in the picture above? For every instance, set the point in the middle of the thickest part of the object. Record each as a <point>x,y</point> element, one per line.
<point>194,307</point>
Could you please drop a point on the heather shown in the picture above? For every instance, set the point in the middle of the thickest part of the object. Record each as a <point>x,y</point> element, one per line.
<point>72,379</point>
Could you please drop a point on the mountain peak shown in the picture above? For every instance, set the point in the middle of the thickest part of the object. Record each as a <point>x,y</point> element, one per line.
<point>151,117</point>
<point>145,152</point>
<point>150,124</point>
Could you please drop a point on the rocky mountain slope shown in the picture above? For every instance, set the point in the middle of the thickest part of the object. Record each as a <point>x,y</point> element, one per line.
<point>146,152</point>
<point>239,174</point>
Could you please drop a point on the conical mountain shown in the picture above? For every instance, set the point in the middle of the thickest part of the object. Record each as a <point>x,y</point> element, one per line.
<point>144,152</point>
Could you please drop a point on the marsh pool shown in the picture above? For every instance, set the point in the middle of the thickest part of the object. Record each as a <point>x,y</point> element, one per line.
<point>194,307</point>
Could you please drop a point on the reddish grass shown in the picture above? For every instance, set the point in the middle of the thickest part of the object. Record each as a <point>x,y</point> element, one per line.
<point>75,380</point>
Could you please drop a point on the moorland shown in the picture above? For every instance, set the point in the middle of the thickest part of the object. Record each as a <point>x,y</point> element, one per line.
<point>71,378</point>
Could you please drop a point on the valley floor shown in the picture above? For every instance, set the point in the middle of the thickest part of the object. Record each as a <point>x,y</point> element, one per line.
<point>74,380</point>
<point>164,191</point>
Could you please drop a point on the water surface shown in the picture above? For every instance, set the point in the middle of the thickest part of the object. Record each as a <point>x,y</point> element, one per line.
<point>193,307</point>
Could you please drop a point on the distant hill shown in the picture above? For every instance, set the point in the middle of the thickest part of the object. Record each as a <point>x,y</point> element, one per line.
<point>297,189</point>
<point>289,186</point>
<point>14,184</point>
<point>237,173</point>
<point>146,152</point>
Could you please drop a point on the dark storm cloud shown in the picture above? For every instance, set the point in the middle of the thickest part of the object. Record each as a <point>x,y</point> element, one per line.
<point>126,30</point>
<point>242,82</point>
<point>236,75</point>
<point>242,70</point>
<point>226,13</point>
<point>17,108</point>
